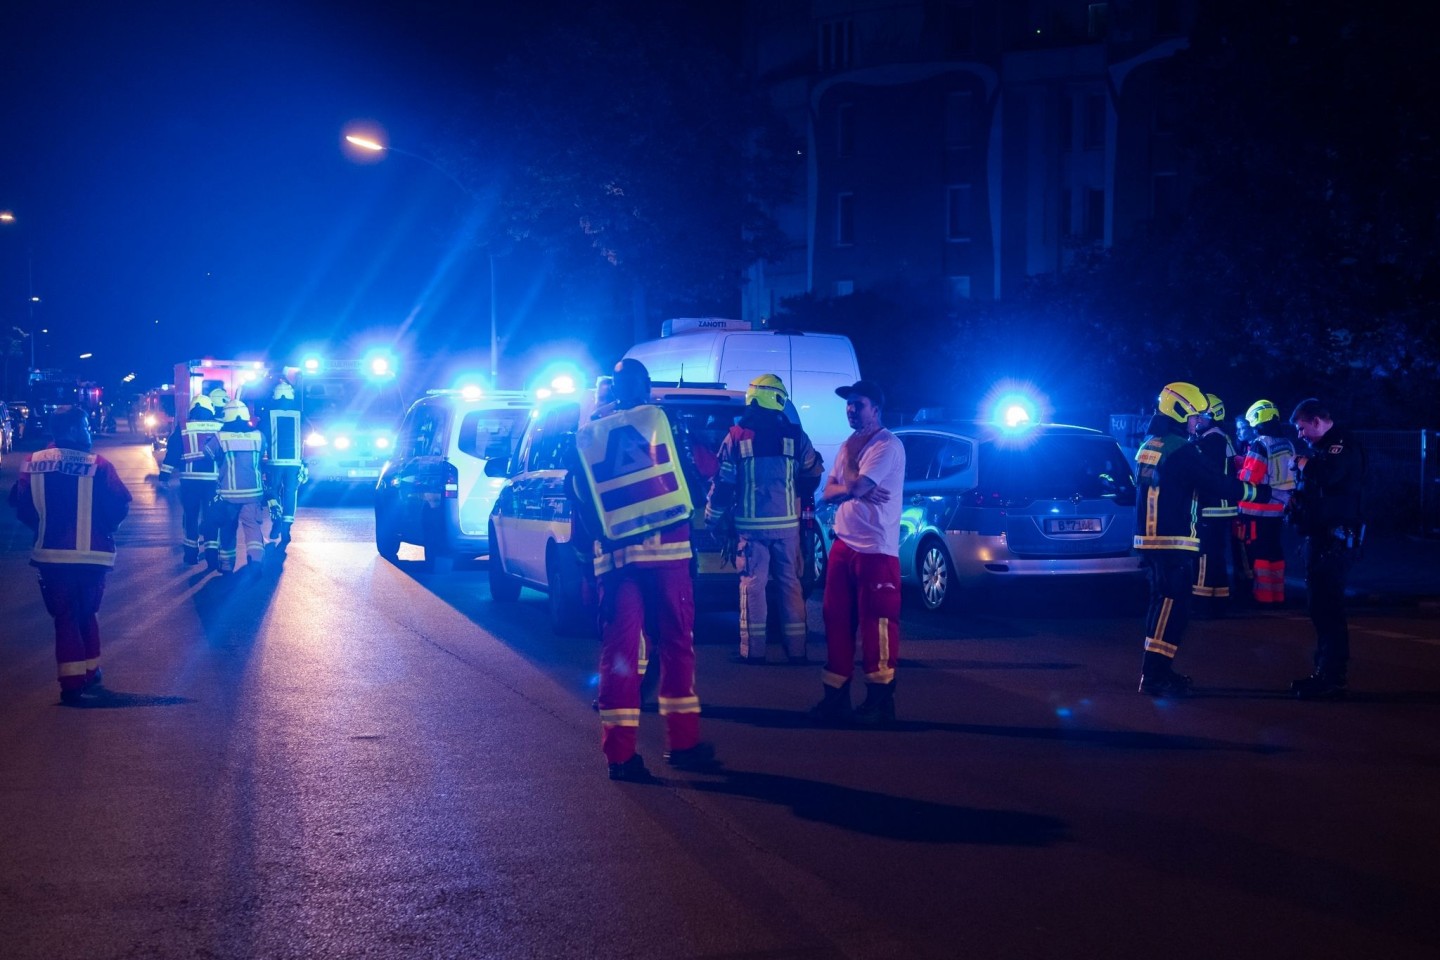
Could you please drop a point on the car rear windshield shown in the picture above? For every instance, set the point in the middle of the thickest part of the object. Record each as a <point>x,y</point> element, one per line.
<point>483,432</point>
<point>1055,468</point>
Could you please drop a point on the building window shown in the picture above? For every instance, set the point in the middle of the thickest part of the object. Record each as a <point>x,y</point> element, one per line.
<point>845,130</point>
<point>843,288</point>
<point>1098,20</point>
<point>845,219</point>
<point>1165,197</point>
<point>957,212</point>
<point>959,119</point>
<point>837,44</point>
<point>1094,121</point>
<point>959,28</point>
<point>1095,214</point>
<point>959,291</point>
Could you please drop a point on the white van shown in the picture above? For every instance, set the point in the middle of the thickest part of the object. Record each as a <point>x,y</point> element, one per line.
<point>732,352</point>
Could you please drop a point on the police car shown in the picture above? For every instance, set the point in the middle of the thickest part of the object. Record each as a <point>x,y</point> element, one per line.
<point>434,491</point>
<point>530,525</point>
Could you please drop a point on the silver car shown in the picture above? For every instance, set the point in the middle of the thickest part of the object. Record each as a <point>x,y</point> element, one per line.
<point>984,502</point>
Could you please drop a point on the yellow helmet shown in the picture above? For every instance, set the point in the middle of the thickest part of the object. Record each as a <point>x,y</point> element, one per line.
<point>218,397</point>
<point>235,410</point>
<point>1217,408</point>
<point>203,402</point>
<point>283,391</point>
<point>768,391</point>
<point>1260,411</point>
<point>1181,401</point>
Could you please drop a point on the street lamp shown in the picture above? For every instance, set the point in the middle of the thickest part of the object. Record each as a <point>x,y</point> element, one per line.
<point>375,146</point>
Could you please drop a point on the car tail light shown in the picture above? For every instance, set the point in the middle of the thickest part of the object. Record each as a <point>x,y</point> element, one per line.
<point>452,482</point>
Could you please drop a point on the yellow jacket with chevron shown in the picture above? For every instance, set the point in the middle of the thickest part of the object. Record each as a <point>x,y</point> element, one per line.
<point>767,465</point>
<point>238,450</point>
<point>1171,478</point>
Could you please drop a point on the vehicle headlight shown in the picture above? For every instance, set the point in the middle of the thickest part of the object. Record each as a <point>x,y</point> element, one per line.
<point>316,439</point>
<point>342,443</point>
<point>382,442</point>
<point>149,419</point>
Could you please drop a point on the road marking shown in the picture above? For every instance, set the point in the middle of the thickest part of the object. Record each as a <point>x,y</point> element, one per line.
<point>1392,635</point>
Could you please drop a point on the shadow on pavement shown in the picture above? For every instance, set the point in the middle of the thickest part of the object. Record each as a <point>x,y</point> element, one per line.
<point>1118,739</point>
<point>98,698</point>
<point>1386,697</point>
<point>888,816</point>
<point>945,663</point>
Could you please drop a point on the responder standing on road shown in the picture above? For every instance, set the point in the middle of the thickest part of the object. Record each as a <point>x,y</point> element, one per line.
<point>1172,477</point>
<point>238,450</point>
<point>185,456</point>
<point>1270,460</point>
<point>862,572</point>
<point>631,507</point>
<point>282,468</point>
<point>768,468</point>
<point>74,500</point>
<point>1328,510</point>
<point>1217,515</point>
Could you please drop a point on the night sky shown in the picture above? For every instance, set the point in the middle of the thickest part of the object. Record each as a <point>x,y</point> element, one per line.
<point>179,187</point>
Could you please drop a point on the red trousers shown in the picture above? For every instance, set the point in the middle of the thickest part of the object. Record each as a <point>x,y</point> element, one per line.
<point>658,600</point>
<point>72,593</point>
<point>862,591</point>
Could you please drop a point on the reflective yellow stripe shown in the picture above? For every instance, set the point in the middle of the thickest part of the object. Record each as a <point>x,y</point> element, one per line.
<point>768,523</point>
<point>1165,607</point>
<point>1152,501</point>
<point>1168,543</point>
<point>833,679</point>
<point>37,494</point>
<point>621,717</point>
<point>669,705</point>
<point>1161,647</point>
<point>75,668</point>
<point>794,629</point>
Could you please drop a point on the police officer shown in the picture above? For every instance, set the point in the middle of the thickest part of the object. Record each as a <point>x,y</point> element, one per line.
<point>768,467</point>
<point>185,455</point>
<point>282,469</point>
<point>1172,477</point>
<point>1269,459</point>
<point>238,450</point>
<point>74,500</point>
<point>630,507</point>
<point>1217,515</point>
<point>1327,511</point>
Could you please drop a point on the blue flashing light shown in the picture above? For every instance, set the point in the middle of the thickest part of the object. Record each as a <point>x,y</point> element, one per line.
<point>471,392</point>
<point>311,364</point>
<point>1014,407</point>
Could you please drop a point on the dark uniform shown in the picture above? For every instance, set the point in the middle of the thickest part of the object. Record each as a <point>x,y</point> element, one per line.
<point>185,456</point>
<point>280,423</point>
<point>1217,515</point>
<point>1327,511</point>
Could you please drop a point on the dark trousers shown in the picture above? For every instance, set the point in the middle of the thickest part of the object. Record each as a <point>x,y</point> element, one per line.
<point>284,487</point>
<point>1327,568</point>
<point>72,594</point>
<point>1171,573</point>
<point>1212,580</point>
<point>195,496</point>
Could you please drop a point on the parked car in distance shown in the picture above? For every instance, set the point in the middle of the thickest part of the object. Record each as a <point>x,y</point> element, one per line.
<point>530,526</point>
<point>434,491</point>
<point>7,429</point>
<point>19,416</point>
<point>984,502</point>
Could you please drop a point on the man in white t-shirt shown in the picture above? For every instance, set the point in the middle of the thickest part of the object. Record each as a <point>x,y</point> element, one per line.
<point>862,574</point>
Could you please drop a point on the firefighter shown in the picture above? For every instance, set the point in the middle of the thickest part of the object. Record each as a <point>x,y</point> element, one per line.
<point>1172,477</point>
<point>185,455</point>
<point>1269,459</point>
<point>238,450</point>
<point>74,500</point>
<point>630,507</point>
<point>1327,510</point>
<point>767,469</point>
<point>1217,515</point>
<point>282,469</point>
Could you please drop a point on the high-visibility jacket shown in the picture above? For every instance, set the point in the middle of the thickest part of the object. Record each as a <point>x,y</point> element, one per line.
<point>1171,478</point>
<point>238,450</point>
<point>73,500</point>
<point>185,454</point>
<point>1217,450</point>
<point>1270,460</point>
<point>282,433</point>
<point>767,467</point>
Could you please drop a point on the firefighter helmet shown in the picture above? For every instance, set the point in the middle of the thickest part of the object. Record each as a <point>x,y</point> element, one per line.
<point>203,402</point>
<point>235,410</point>
<point>70,428</point>
<point>768,391</point>
<point>218,397</point>
<point>1261,411</point>
<point>1217,408</point>
<point>631,384</point>
<point>1181,401</point>
<point>283,391</point>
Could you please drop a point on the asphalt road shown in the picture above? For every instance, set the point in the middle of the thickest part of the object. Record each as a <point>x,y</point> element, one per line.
<point>357,759</point>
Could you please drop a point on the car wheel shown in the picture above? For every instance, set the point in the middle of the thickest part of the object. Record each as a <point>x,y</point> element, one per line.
<point>503,587</point>
<point>936,574</point>
<point>569,616</point>
<point>816,556</point>
<point>387,531</point>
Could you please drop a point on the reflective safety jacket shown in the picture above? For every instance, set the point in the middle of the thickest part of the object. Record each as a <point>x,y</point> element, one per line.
<point>1330,493</point>
<point>1219,452</point>
<point>1172,477</point>
<point>185,454</point>
<point>238,450</point>
<point>767,466</point>
<point>1271,460</point>
<point>73,500</point>
<point>282,433</point>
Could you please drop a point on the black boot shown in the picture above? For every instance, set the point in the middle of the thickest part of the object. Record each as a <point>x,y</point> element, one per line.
<point>1165,683</point>
<point>878,710</point>
<point>1319,686</point>
<point>834,710</point>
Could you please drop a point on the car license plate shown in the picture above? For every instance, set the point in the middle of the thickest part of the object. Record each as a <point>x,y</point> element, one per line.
<point>362,473</point>
<point>1072,524</point>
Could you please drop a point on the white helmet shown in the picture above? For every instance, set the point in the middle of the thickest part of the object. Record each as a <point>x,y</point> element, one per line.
<point>283,391</point>
<point>203,402</point>
<point>235,410</point>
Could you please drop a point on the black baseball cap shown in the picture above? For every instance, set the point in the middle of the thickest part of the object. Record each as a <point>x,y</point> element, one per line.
<point>863,388</point>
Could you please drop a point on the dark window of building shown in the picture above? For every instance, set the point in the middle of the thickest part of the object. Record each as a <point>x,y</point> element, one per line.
<point>959,119</point>
<point>837,44</point>
<point>1095,214</point>
<point>957,212</point>
<point>959,28</point>
<point>1167,112</point>
<point>1098,20</point>
<point>1067,122</point>
<point>845,130</point>
<point>959,290</point>
<point>1094,121</point>
<point>1165,197</point>
<point>1067,217</point>
<point>843,288</point>
<point>845,219</point>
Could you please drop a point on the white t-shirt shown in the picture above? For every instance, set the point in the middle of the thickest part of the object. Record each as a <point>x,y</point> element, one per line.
<point>868,527</point>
